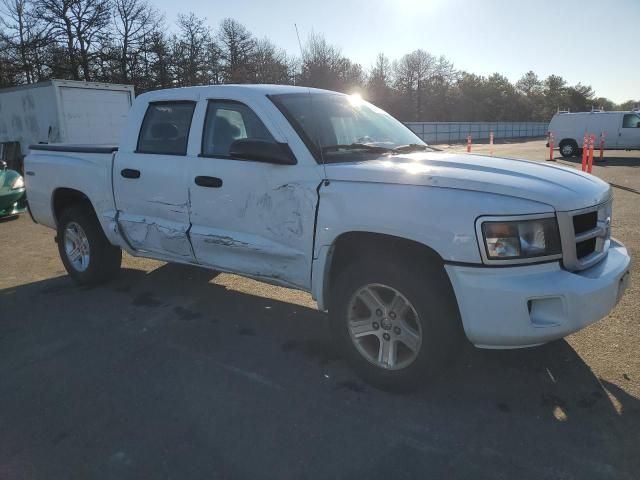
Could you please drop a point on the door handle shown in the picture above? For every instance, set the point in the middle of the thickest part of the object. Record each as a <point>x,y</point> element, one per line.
<point>211,182</point>
<point>130,173</point>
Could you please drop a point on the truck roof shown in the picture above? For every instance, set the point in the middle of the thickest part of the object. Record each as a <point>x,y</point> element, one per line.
<point>251,89</point>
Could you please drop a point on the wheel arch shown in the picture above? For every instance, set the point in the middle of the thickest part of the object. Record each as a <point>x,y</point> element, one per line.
<point>64,197</point>
<point>348,246</point>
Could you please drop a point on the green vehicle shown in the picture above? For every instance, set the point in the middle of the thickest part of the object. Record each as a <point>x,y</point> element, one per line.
<point>12,192</point>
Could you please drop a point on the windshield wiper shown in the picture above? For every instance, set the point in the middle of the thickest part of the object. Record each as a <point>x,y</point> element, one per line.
<point>356,146</point>
<point>412,147</point>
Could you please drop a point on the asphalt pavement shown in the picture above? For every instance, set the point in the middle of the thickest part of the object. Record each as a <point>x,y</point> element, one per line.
<point>174,372</point>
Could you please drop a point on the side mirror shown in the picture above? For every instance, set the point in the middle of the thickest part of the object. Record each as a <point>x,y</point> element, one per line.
<point>262,151</point>
<point>3,165</point>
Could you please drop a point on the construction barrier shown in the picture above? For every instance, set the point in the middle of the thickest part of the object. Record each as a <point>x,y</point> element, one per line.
<point>585,151</point>
<point>592,141</point>
<point>491,142</point>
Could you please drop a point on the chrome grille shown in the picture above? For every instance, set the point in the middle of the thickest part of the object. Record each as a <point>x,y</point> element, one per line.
<point>585,235</point>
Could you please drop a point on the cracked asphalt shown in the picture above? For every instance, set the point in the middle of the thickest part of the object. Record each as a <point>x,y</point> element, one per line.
<point>174,372</point>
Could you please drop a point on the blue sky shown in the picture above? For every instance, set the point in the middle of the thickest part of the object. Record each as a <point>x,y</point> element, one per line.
<point>588,41</point>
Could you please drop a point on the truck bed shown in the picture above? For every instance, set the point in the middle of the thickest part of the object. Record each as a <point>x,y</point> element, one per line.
<point>82,168</point>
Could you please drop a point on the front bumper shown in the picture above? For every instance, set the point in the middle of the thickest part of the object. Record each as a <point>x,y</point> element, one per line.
<point>512,307</point>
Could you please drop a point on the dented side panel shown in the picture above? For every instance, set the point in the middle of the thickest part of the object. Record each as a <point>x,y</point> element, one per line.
<point>164,237</point>
<point>259,225</point>
<point>154,208</point>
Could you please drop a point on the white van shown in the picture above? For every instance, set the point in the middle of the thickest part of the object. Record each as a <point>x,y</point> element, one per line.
<point>621,130</point>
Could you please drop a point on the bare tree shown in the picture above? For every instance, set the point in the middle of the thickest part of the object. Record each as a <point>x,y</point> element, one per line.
<point>7,77</point>
<point>24,36</point>
<point>380,83</point>
<point>156,59</point>
<point>80,25</point>
<point>412,74</point>
<point>323,65</point>
<point>134,21</point>
<point>191,51</point>
<point>269,64</point>
<point>237,46</point>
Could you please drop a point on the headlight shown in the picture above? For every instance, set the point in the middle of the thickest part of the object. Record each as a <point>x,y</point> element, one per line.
<point>521,239</point>
<point>17,183</point>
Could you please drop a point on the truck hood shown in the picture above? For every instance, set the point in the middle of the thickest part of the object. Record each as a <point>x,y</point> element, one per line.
<point>561,187</point>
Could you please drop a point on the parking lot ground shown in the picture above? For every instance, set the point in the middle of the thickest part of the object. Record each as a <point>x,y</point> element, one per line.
<point>176,372</point>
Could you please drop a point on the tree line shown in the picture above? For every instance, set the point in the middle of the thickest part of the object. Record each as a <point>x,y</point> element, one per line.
<point>129,41</point>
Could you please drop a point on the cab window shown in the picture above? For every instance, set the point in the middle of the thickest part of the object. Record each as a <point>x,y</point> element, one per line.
<point>165,128</point>
<point>227,121</point>
<point>631,121</point>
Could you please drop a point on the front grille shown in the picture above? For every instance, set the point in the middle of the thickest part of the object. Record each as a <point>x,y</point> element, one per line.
<point>585,236</point>
<point>583,224</point>
<point>585,248</point>
<point>585,221</point>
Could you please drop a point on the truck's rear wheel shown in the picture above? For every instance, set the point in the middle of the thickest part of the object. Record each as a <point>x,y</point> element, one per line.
<point>86,253</point>
<point>568,148</point>
<point>395,323</point>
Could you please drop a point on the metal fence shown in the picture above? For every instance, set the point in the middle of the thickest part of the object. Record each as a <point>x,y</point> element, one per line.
<point>451,132</point>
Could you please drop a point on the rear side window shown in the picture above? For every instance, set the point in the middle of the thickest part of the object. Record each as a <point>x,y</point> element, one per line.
<point>631,121</point>
<point>228,121</point>
<point>165,128</point>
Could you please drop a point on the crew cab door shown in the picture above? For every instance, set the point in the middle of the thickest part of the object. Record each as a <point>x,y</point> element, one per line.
<point>150,181</point>
<point>629,136</point>
<point>249,217</point>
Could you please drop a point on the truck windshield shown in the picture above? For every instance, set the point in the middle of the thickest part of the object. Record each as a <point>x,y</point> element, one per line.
<point>345,128</point>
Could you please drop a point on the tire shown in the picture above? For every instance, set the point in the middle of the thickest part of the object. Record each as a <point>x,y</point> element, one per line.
<point>432,313</point>
<point>86,253</point>
<point>568,148</point>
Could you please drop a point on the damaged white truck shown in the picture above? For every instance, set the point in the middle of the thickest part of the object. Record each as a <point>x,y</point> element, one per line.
<point>408,249</point>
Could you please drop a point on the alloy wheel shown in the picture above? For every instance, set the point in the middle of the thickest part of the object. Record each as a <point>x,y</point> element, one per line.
<point>384,326</point>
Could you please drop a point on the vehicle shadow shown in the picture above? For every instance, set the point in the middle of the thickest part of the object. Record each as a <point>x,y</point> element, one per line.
<point>146,355</point>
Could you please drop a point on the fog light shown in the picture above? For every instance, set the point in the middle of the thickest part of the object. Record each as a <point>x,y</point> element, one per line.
<point>546,312</point>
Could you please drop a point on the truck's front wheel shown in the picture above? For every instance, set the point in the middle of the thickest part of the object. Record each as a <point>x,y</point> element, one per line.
<point>86,253</point>
<point>394,323</point>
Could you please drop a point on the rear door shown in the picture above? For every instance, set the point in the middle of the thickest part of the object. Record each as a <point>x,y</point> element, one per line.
<point>150,182</point>
<point>93,115</point>
<point>629,135</point>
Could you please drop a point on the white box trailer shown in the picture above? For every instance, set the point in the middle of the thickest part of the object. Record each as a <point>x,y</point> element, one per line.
<point>61,111</point>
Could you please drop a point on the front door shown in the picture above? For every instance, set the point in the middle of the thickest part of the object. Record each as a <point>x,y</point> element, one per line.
<point>150,183</point>
<point>629,136</point>
<point>250,217</point>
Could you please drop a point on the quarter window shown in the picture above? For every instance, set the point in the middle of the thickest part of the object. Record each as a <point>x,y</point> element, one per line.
<point>228,121</point>
<point>631,121</point>
<point>165,128</point>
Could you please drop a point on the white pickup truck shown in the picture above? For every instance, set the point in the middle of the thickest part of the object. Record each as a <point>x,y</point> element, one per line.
<point>407,248</point>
